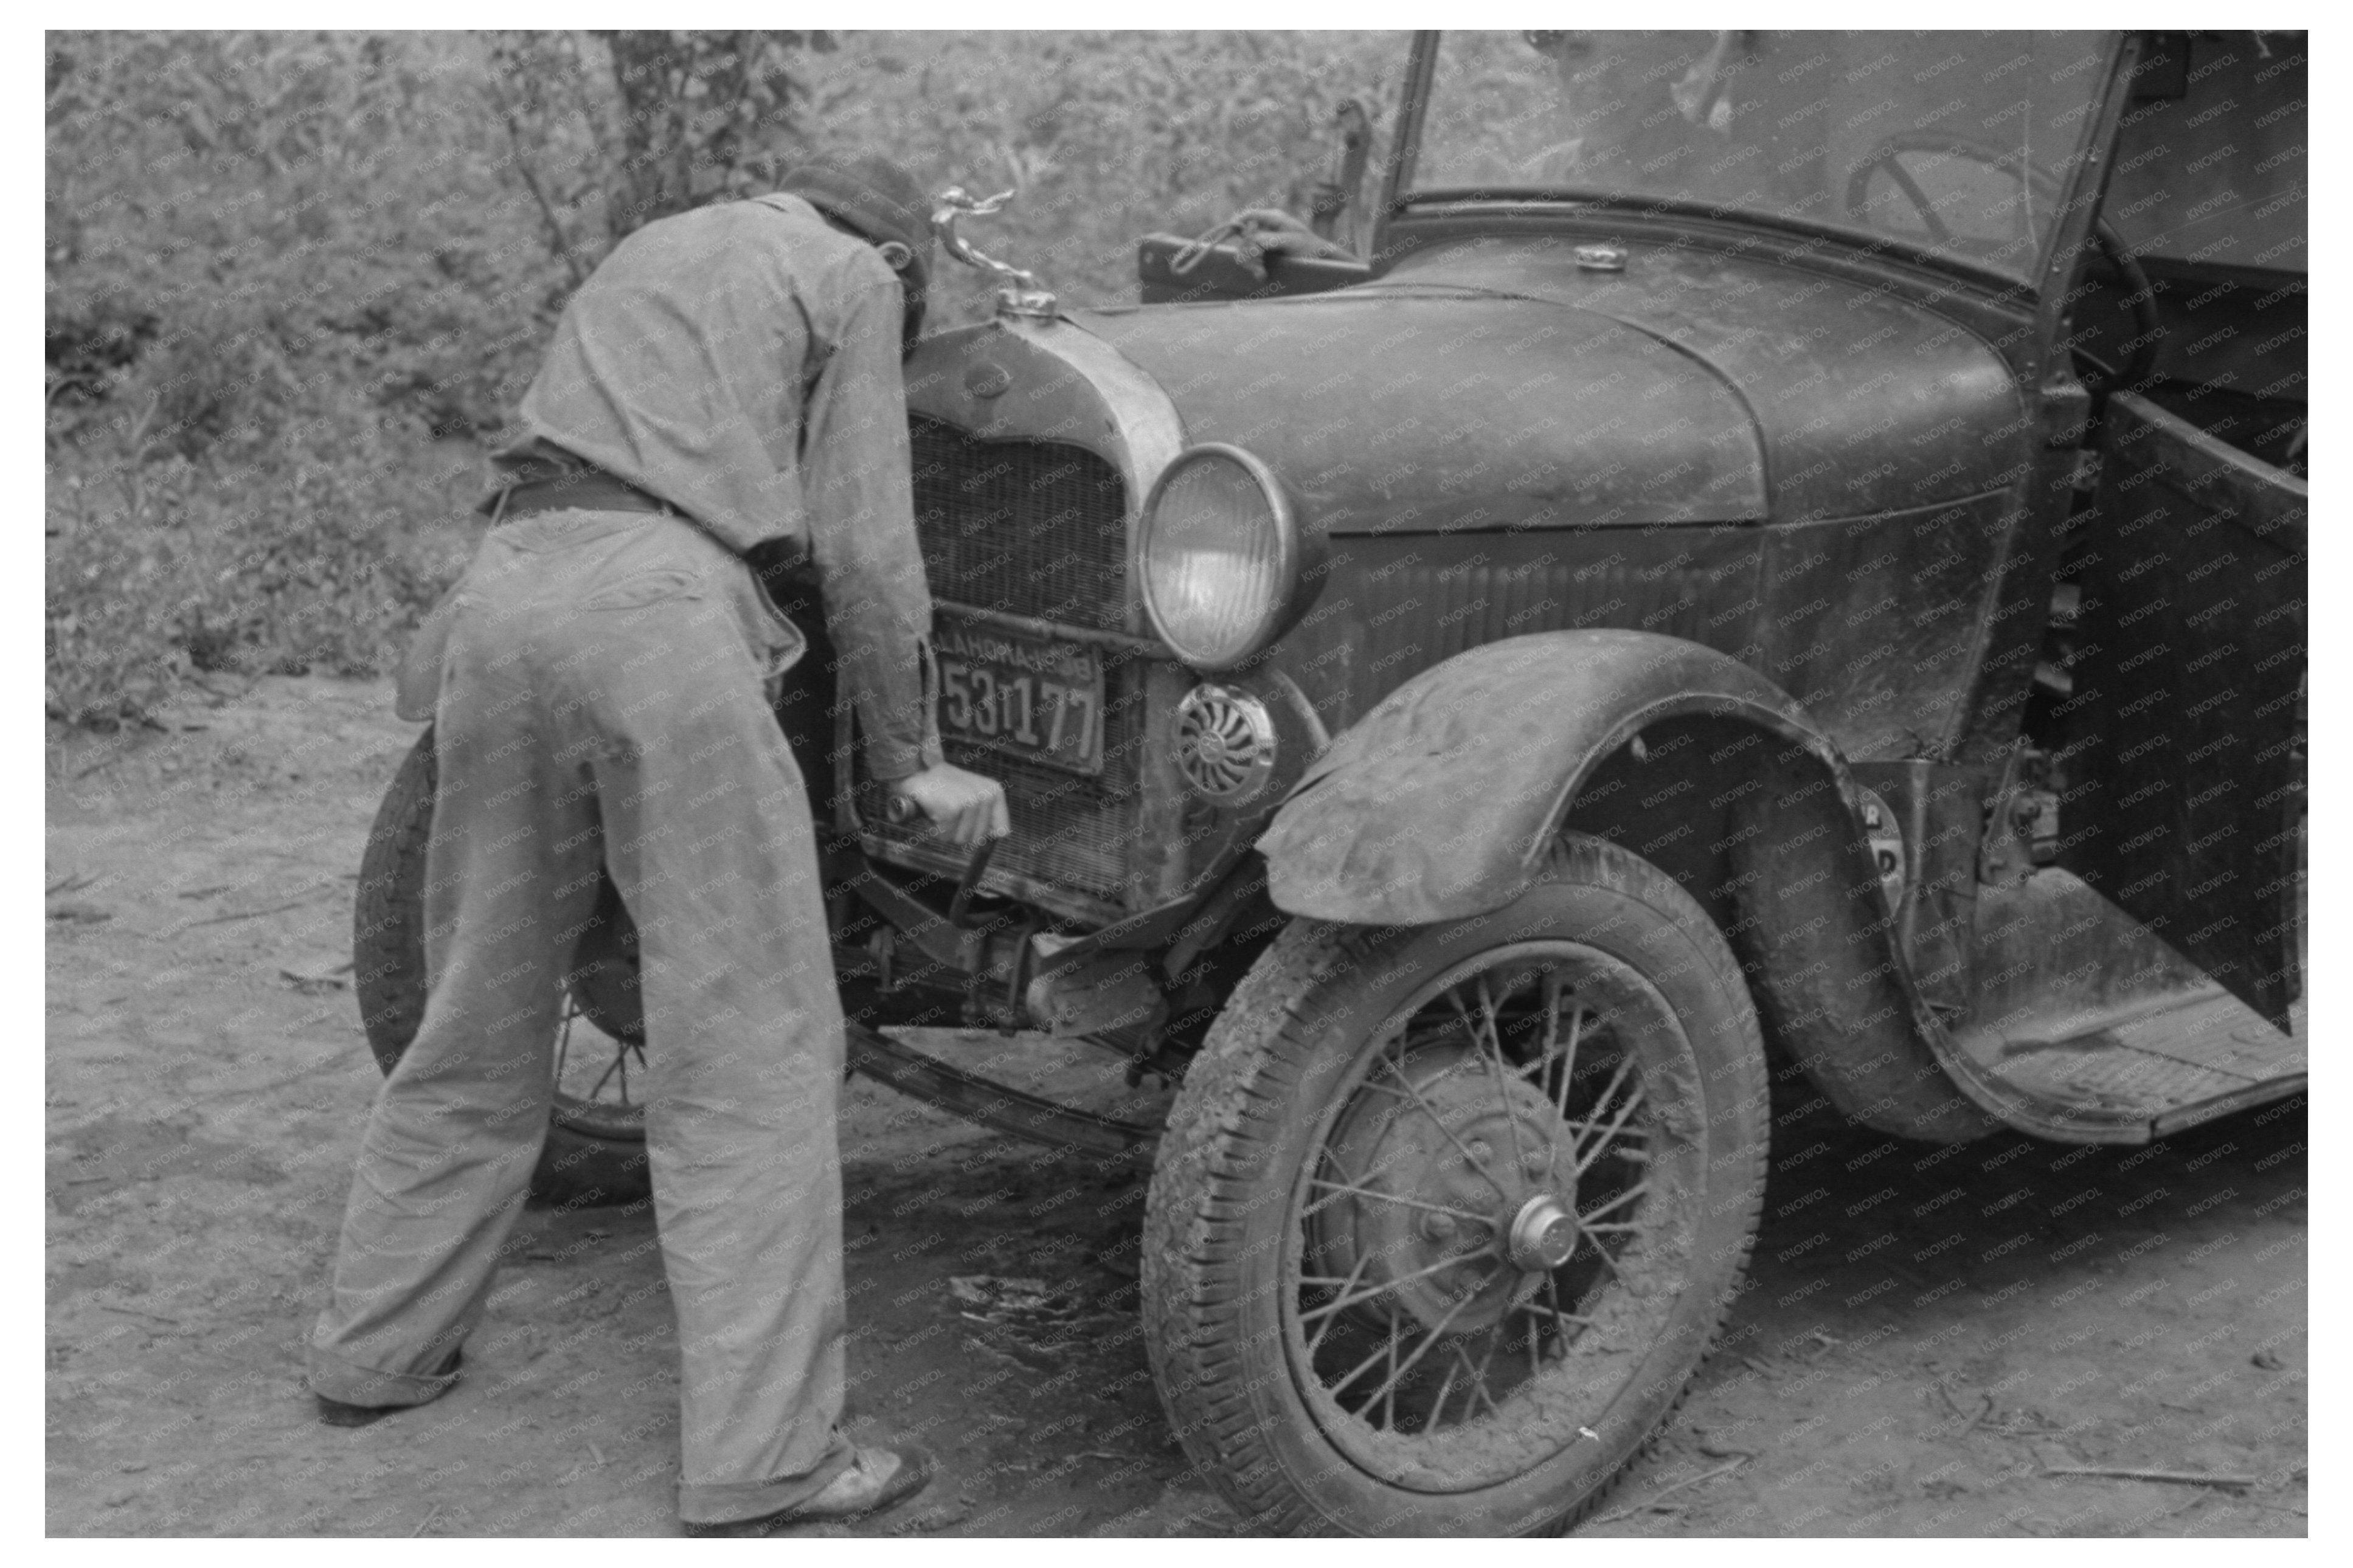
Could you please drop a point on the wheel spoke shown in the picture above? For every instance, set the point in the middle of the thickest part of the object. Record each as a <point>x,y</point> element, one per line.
<point>1338,1190</point>
<point>1578,1149</point>
<point>1552,1292</point>
<point>1445,1389</point>
<point>608,1073</point>
<point>1555,1051</point>
<point>1592,1152</point>
<point>1387,1286</point>
<point>563,1039</point>
<point>1431,1338</point>
<point>1332,1158</point>
<point>1555,1313</point>
<point>1479,1378</point>
<point>1363,1367</point>
<point>1569,1054</point>
<point>1585,1220</point>
<point>1493,1039</point>
<point>1345,1286</point>
<point>1608,1091</point>
<point>1387,1392</point>
<point>1472,1390</point>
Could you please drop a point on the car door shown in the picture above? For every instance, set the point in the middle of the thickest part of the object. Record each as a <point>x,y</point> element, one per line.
<point>2185,789</point>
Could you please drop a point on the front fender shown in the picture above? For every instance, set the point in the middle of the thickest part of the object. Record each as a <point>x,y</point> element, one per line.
<point>1439,804</point>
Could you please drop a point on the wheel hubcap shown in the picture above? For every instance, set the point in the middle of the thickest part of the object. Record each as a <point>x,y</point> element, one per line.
<point>1544,1233</point>
<point>1470,1165</point>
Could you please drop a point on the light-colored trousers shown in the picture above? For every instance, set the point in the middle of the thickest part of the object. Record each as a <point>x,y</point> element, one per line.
<point>602,702</point>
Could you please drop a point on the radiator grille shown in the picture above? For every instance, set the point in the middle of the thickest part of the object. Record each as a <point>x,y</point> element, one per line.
<point>1035,528</point>
<point>1039,528</point>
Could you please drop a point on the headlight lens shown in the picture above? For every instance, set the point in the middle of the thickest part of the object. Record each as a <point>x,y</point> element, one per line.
<point>1220,556</point>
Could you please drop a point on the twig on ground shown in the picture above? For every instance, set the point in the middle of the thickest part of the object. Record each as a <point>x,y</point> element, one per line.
<point>244,914</point>
<point>255,914</point>
<point>2134,1473</point>
<point>1968,1422</point>
<point>1647,1504</point>
<point>135,1313</point>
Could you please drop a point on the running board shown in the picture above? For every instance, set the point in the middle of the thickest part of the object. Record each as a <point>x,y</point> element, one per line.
<point>2129,1076</point>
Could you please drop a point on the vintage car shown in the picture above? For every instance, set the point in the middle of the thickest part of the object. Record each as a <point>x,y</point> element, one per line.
<point>1772,579</point>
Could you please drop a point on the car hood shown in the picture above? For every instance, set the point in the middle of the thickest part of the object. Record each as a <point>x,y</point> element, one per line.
<point>1496,385</point>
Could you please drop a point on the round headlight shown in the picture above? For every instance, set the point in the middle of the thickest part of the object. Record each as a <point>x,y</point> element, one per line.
<point>1218,556</point>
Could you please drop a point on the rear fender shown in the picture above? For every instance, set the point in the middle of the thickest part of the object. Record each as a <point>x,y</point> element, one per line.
<point>1442,803</point>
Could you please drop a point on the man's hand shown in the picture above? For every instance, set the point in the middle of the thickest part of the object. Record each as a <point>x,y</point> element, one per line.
<point>965,808</point>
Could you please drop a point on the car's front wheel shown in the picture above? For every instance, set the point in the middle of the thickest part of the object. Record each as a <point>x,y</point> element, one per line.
<point>1445,1218</point>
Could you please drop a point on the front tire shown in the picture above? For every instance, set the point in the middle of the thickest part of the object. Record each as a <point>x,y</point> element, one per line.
<point>1445,1218</point>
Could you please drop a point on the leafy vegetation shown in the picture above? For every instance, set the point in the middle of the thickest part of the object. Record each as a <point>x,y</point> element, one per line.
<point>297,282</point>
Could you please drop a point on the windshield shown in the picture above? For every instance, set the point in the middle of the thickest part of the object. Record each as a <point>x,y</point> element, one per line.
<point>1957,144</point>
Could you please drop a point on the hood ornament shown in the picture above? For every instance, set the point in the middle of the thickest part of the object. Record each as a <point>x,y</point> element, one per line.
<point>1022,295</point>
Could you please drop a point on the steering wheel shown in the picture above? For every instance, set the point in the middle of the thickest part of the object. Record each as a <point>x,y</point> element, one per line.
<point>2148,328</point>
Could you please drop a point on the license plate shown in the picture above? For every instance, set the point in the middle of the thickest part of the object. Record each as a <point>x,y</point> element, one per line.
<point>1034,696</point>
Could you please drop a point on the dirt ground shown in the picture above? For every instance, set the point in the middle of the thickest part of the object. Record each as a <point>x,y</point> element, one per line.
<point>1926,1337</point>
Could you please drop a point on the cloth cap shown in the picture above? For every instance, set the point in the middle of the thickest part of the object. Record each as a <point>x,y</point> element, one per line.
<point>880,200</point>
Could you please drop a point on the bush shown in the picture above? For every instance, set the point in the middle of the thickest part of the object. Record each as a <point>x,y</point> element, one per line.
<point>278,269</point>
<point>307,561</point>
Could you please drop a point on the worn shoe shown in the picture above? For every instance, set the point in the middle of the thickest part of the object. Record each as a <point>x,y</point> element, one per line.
<point>877,1479</point>
<point>335,1413</point>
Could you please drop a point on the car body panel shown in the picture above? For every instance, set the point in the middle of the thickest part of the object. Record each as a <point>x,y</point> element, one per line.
<point>1826,364</point>
<point>1517,413</point>
<point>1542,394</point>
<point>1871,624</point>
<point>1439,803</point>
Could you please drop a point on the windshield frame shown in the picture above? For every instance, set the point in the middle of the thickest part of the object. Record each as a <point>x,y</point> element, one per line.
<point>2048,274</point>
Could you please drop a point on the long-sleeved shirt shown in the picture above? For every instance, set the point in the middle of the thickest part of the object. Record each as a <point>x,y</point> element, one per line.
<point>741,361</point>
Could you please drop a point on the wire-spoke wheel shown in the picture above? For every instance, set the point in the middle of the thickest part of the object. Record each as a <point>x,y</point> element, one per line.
<point>1444,1218</point>
<point>592,1076</point>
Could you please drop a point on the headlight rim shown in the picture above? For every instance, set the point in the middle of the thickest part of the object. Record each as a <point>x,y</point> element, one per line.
<point>1290,554</point>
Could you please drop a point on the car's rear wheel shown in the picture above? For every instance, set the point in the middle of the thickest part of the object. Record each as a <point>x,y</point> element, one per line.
<point>595,1149</point>
<point>1445,1218</point>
